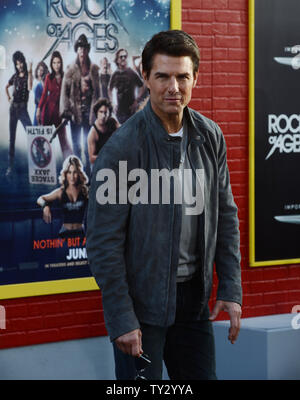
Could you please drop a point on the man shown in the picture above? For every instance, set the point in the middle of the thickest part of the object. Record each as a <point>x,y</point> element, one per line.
<point>80,91</point>
<point>125,80</point>
<point>104,77</point>
<point>22,84</point>
<point>154,262</point>
<point>102,129</point>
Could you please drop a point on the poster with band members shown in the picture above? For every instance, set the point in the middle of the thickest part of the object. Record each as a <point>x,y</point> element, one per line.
<point>70,75</point>
<point>274,132</point>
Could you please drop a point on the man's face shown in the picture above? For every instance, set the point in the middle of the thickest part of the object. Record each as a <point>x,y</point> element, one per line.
<point>170,82</point>
<point>122,59</point>
<point>103,115</point>
<point>82,52</point>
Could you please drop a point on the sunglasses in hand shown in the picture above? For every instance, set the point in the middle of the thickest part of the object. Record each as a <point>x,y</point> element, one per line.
<point>141,363</point>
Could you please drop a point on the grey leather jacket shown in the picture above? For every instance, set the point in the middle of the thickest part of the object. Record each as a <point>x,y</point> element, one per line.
<point>133,249</point>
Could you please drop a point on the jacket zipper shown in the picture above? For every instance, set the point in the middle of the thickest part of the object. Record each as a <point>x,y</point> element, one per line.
<point>203,233</point>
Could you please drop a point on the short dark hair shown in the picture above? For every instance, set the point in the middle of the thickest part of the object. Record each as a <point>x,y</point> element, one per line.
<point>175,43</point>
<point>102,102</point>
<point>117,55</point>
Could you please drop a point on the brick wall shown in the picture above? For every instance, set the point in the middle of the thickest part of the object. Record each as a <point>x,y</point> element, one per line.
<point>221,30</point>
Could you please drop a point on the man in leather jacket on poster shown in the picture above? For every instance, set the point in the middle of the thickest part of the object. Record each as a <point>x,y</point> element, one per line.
<point>151,250</point>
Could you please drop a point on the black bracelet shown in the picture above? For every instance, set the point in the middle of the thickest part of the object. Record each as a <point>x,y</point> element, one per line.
<point>45,205</point>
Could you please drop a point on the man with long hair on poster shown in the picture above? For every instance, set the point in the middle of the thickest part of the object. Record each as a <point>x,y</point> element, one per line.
<point>125,80</point>
<point>102,129</point>
<point>80,91</point>
<point>22,84</point>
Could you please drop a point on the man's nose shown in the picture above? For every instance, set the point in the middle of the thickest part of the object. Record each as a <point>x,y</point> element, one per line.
<point>173,85</point>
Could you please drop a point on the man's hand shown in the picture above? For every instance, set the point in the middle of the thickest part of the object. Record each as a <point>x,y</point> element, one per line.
<point>234,310</point>
<point>130,343</point>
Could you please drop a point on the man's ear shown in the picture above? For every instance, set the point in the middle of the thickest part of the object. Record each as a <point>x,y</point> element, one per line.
<point>144,75</point>
<point>145,78</point>
<point>195,78</point>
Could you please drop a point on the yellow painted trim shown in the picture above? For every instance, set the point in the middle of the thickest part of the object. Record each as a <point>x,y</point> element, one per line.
<point>175,14</point>
<point>49,287</point>
<point>275,262</point>
<point>251,133</point>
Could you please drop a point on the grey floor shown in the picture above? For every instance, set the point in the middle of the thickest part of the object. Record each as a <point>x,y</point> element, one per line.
<point>267,348</point>
<point>84,359</point>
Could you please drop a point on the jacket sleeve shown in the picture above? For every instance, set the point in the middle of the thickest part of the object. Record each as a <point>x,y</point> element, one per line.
<point>64,103</point>
<point>228,236</point>
<point>44,95</point>
<point>106,237</point>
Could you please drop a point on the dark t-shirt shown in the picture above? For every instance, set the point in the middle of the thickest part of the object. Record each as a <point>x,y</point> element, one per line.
<point>104,81</point>
<point>103,137</point>
<point>21,93</point>
<point>125,81</point>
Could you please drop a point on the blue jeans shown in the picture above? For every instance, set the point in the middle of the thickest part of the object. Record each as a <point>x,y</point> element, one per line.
<point>187,347</point>
<point>76,140</point>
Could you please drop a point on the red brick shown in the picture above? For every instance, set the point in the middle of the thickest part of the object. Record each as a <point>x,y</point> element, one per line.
<point>15,310</point>
<point>191,27</point>
<point>74,332</point>
<point>59,320</point>
<point>192,4</point>
<point>227,66</point>
<point>237,4</point>
<point>215,4</point>
<point>228,16</point>
<point>237,54</point>
<point>98,330</point>
<point>294,271</point>
<point>220,78</point>
<point>8,340</point>
<point>204,41</point>
<point>237,79</point>
<point>220,54</point>
<point>33,323</point>
<point>284,308</point>
<point>294,295</point>
<point>237,29</point>
<point>227,91</point>
<point>227,41</point>
<point>220,28</point>
<point>43,336</point>
<point>252,299</point>
<point>206,29</point>
<point>201,15</point>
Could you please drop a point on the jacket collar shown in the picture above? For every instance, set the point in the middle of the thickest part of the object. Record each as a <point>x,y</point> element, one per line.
<point>196,126</point>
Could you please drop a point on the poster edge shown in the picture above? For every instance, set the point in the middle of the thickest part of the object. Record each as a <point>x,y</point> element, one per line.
<point>33,289</point>
<point>42,288</point>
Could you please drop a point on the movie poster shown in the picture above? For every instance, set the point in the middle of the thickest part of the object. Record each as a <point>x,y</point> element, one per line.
<point>275,126</point>
<point>70,75</point>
